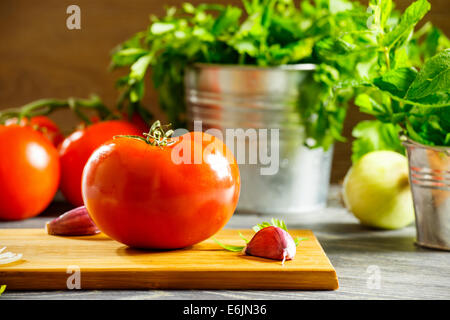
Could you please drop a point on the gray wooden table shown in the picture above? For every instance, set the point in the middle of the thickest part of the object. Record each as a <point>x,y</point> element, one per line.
<point>371,264</point>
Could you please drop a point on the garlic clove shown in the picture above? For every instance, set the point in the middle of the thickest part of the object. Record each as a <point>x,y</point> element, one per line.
<point>76,222</point>
<point>272,243</point>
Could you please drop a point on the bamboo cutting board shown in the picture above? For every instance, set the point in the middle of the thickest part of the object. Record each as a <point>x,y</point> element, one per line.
<point>49,262</point>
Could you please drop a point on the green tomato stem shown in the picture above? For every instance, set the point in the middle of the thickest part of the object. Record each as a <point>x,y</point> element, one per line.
<point>44,107</point>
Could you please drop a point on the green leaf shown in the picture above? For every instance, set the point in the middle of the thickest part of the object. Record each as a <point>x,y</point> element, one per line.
<point>246,47</point>
<point>229,18</point>
<point>371,106</point>
<point>229,247</point>
<point>2,288</point>
<point>139,68</point>
<point>159,28</point>
<point>278,223</point>
<point>273,222</point>
<point>375,135</point>
<point>412,15</point>
<point>188,8</point>
<point>261,225</point>
<point>127,56</point>
<point>243,238</point>
<point>136,91</point>
<point>385,12</point>
<point>337,6</point>
<point>397,81</point>
<point>381,11</point>
<point>298,239</point>
<point>433,78</point>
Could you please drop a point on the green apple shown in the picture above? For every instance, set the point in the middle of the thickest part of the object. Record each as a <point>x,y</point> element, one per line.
<point>377,191</point>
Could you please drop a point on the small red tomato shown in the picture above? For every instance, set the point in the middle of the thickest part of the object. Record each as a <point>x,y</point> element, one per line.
<point>78,147</point>
<point>29,172</point>
<point>162,197</point>
<point>42,124</point>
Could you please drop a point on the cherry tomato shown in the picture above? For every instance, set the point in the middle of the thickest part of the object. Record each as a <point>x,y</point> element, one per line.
<point>29,172</point>
<point>142,196</point>
<point>77,148</point>
<point>42,124</point>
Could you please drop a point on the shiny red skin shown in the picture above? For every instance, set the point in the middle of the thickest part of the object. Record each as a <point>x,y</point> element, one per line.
<point>78,147</point>
<point>138,196</point>
<point>29,172</point>
<point>42,124</point>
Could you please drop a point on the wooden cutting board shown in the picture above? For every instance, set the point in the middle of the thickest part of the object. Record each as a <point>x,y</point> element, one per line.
<point>49,262</point>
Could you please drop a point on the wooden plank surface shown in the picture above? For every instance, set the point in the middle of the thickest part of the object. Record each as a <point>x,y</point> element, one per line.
<point>107,264</point>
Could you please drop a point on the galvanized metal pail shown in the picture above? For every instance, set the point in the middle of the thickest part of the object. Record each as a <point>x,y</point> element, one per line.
<point>429,174</point>
<point>230,97</point>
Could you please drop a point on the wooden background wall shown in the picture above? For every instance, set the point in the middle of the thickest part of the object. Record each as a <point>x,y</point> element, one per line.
<point>40,57</point>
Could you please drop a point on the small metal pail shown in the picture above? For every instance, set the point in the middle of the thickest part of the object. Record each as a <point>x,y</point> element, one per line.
<point>246,97</point>
<point>429,174</point>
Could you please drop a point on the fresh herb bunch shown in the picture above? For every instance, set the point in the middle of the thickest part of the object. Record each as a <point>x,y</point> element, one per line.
<point>405,78</point>
<point>264,33</point>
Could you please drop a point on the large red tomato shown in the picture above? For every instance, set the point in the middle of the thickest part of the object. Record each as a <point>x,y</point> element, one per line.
<point>29,172</point>
<point>147,196</point>
<point>42,124</point>
<point>78,147</point>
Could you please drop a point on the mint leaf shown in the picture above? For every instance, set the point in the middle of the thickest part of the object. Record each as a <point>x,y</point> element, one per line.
<point>159,28</point>
<point>375,135</point>
<point>412,15</point>
<point>368,104</point>
<point>433,78</point>
<point>262,225</point>
<point>273,222</point>
<point>396,81</point>
<point>139,68</point>
<point>435,41</point>
<point>229,247</point>
<point>298,239</point>
<point>228,18</point>
<point>381,10</point>
<point>337,6</point>
<point>243,238</point>
<point>127,56</point>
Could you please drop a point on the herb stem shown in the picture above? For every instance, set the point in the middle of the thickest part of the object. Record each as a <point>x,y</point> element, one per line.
<point>386,56</point>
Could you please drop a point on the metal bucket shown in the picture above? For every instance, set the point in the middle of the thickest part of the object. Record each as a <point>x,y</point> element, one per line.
<point>229,97</point>
<point>429,174</point>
